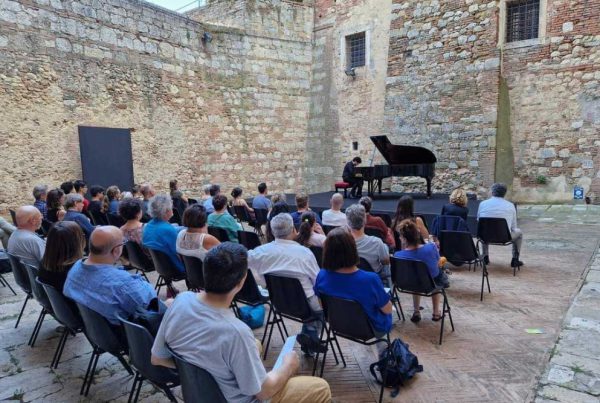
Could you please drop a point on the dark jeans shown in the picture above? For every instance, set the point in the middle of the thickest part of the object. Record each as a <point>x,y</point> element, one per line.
<point>356,183</point>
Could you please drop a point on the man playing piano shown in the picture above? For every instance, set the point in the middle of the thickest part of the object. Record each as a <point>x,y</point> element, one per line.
<point>354,180</point>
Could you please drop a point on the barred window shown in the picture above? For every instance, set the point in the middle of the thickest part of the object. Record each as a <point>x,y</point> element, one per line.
<point>522,20</point>
<point>355,50</point>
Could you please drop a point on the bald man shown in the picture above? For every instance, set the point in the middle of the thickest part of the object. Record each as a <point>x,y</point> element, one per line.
<point>334,215</point>
<point>104,287</point>
<point>24,242</point>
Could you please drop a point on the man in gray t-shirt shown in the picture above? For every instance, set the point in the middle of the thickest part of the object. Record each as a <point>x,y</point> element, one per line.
<point>202,330</point>
<point>24,242</point>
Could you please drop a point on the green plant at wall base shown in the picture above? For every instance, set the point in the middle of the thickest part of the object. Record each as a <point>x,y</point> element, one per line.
<point>541,180</point>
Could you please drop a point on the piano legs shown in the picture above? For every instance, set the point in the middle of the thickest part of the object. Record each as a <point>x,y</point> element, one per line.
<point>374,185</point>
<point>428,187</point>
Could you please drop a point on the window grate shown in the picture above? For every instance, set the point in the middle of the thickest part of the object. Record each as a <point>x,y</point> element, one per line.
<point>355,48</point>
<point>522,20</point>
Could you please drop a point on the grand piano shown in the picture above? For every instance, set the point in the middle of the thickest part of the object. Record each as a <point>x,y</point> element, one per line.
<point>402,160</point>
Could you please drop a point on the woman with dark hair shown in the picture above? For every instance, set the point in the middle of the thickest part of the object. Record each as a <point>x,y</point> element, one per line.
<point>195,240</point>
<point>404,211</point>
<point>67,187</point>
<point>55,201</point>
<point>341,278</point>
<point>238,200</point>
<point>222,219</point>
<point>413,249</point>
<point>113,194</point>
<point>131,211</point>
<point>64,246</point>
<point>310,232</point>
<point>175,192</point>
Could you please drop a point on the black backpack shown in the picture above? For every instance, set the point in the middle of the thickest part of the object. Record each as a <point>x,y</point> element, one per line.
<point>401,365</point>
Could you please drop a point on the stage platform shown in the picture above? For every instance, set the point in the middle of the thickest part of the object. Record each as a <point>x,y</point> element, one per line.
<point>386,204</point>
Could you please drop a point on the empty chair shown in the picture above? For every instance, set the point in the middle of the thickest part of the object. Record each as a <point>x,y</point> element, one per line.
<point>413,277</point>
<point>41,297</point>
<point>104,339</point>
<point>167,271</point>
<point>194,272</point>
<point>22,280</point>
<point>458,246</point>
<point>139,341</point>
<point>115,219</point>
<point>138,258</point>
<point>495,231</point>
<point>249,239</point>
<point>197,384</point>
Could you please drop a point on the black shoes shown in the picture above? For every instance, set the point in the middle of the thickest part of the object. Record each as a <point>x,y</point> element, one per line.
<point>486,259</point>
<point>310,346</point>
<point>515,262</point>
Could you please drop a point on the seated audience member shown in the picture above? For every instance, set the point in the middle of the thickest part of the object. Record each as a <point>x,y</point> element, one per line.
<point>301,207</point>
<point>225,346</point>
<point>205,193</point>
<point>136,192</point>
<point>238,200</point>
<point>195,240</point>
<point>24,242</point>
<point>40,194</point>
<point>261,201</point>
<point>175,192</point>
<point>6,229</point>
<point>208,203</point>
<point>286,257</point>
<point>498,207</point>
<point>279,205</point>
<point>158,233</point>
<point>341,278</point>
<point>310,233</point>
<point>64,246</point>
<point>458,205</point>
<point>96,205</point>
<point>377,222</point>
<point>74,205</point>
<point>404,211</point>
<point>147,192</point>
<point>126,195</point>
<point>113,195</point>
<point>81,188</point>
<point>334,215</point>
<point>55,201</point>
<point>67,187</point>
<point>222,219</point>
<point>103,287</point>
<point>413,249</point>
<point>370,248</point>
<point>131,211</point>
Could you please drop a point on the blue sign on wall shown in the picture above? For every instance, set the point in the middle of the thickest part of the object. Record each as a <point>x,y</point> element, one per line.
<point>578,193</point>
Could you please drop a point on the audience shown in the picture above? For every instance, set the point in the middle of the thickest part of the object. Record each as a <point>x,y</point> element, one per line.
<point>285,257</point>
<point>301,207</point>
<point>238,200</point>
<point>126,195</point>
<point>67,187</point>
<point>334,215</point>
<point>113,194</point>
<point>310,233</point>
<point>458,205</point>
<point>158,234</point>
<point>222,219</point>
<point>175,192</point>
<point>96,205</point>
<point>131,211</point>
<point>74,205</point>
<point>377,222</point>
<point>261,201</point>
<point>208,203</point>
<point>205,193</point>
<point>64,246</point>
<point>81,188</point>
<point>40,194</point>
<point>370,248</point>
<point>341,278</point>
<point>413,249</point>
<point>103,287</point>
<point>498,207</point>
<point>147,192</point>
<point>24,242</point>
<point>136,192</point>
<point>54,202</point>
<point>6,229</point>
<point>223,345</point>
<point>195,240</point>
<point>404,211</point>
<point>279,205</point>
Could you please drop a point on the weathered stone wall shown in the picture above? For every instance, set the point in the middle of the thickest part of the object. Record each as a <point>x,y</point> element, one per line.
<point>232,111</point>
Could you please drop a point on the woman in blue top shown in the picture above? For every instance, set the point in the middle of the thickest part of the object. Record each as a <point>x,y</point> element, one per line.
<point>412,249</point>
<point>341,278</point>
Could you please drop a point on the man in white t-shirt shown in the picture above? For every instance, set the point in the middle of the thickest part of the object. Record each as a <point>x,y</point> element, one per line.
<point>334,215</point>
<point>24,242</point>
<point>202,330</point>
<point>498,207</point>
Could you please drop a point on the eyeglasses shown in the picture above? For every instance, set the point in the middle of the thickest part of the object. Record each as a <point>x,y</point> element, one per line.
<point>119,244</point>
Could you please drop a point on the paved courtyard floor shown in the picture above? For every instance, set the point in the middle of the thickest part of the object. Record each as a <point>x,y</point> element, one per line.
<point>490,356</point>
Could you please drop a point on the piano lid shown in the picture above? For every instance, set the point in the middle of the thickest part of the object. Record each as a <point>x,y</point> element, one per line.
<point>397,155</point>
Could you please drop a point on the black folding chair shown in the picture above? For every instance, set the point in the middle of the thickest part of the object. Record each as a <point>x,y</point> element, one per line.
<point>104,339</point>
<point>219,233</point>
<point>41,297</point>
<point>115,219</point>
<point>66,313</point>
<point>197,384</point>
<point>249,239</point>
<point>375,232</point>
<point>139,341</point>
<point>347,319</point>
<point>138,259</point>
<point>327,228</point>
<point>243,215</point>
<point>194,272</point>
<point>495,231</point>
<point>167,271</point>
<point>13,216</point>
<point>5,283</point>
<point>413,277</point>
<point>176,218</point>
<point>22,280</point>
<point>261,219</point>
<point>458,247</point>
<point>318,252</point>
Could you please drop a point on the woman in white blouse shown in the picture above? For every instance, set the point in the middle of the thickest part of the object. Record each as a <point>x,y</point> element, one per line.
<point>195,240</point>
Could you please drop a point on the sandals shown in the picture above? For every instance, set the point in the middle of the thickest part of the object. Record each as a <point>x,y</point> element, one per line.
<point>416,317</point>
<point>436,318</point>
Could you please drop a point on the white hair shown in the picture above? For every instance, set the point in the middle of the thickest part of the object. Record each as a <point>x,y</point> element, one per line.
<point>160,205</point>
<point>282,225</point>
<point>356,216</point>
<point>337,200</point>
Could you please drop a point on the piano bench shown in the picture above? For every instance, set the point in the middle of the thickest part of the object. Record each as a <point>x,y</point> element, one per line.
<point>342,185</point>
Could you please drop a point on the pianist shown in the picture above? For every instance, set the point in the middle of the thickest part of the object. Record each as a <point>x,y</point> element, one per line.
<point>350,177</point>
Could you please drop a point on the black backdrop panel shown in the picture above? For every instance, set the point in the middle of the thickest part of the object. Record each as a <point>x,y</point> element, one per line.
<point>106,156</point>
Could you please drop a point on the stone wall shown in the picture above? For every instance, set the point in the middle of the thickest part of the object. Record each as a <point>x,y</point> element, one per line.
<point>233,110</point>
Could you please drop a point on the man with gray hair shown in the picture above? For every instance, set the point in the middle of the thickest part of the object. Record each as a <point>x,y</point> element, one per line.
<point>370,248</point>
<point>74,205</point>
<point>498,207</point>
<point>334,215</point>
<point>39,194</point>
<point>286,257</point>
<point>24,242</point>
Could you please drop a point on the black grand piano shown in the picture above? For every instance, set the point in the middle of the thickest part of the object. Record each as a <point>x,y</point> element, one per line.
<point>402,160</point>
